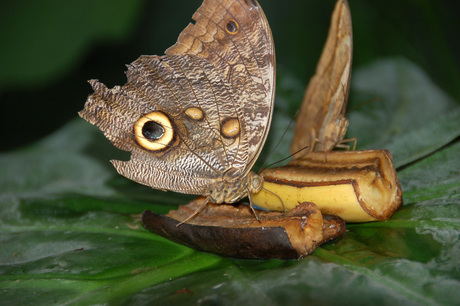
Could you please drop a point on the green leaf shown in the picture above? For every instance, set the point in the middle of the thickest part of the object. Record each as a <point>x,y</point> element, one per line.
<point>413,117</point>
<point>70,230</point>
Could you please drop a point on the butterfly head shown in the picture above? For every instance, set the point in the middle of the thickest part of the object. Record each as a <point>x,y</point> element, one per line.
<point>230,188</point>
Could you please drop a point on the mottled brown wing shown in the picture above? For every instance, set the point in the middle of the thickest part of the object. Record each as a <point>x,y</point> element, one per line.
<point>321,123</point>
<point>211,95</point>
<point>235,37</point>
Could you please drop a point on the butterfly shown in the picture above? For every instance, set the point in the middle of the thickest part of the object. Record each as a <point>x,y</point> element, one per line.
<point>196,118</point>
<point>321,124</point>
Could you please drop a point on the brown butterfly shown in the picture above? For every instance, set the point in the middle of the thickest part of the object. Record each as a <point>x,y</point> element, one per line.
<point>196,118</point>
<point>321,124</point>
<point>358,186</point>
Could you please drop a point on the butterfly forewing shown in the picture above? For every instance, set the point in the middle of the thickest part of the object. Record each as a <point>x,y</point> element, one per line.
<point>321,123</point>
<point>213,89</point>
<point>236,38</point>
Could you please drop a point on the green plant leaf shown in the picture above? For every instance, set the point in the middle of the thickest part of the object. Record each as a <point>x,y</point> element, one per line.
<point>70,230</point>
<point>413,117</point>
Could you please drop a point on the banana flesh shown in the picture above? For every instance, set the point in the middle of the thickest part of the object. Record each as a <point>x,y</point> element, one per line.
<point>358,186</point>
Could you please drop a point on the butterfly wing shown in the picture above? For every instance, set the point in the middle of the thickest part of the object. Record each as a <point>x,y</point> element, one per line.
<point>210,99</point>
<point>235,37</point>
<point>321,123</point>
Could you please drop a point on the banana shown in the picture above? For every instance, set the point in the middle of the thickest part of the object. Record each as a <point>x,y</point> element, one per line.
<point>358,186</point>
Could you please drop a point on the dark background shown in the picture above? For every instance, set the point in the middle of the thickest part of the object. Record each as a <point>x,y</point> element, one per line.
<point>49,49</point>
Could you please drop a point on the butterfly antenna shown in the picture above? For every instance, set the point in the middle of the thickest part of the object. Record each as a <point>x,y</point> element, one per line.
<point>364,103</point>
<point>279,141</point>
<point>287,157</point>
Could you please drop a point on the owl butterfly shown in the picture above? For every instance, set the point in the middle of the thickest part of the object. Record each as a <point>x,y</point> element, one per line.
<point>321,124</point>
<point>196,118</point>
<point>358,186</point>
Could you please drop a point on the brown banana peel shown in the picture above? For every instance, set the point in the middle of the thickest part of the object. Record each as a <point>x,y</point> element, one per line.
<point>232,230</point>
<point>358,186</point>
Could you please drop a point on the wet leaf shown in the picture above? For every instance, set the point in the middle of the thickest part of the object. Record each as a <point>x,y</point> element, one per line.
<point>70,230</point>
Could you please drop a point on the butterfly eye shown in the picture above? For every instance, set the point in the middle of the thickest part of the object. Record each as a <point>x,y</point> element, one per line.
<point>232,27</point>
<point>154,131</point>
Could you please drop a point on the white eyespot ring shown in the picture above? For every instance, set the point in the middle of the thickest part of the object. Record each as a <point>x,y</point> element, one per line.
<point>154,131</point>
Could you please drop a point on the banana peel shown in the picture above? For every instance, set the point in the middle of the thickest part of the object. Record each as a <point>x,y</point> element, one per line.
<point>233,231</point>
<point>358,186</point>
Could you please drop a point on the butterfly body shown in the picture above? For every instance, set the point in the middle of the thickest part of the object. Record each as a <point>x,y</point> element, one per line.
<point>196,118</point>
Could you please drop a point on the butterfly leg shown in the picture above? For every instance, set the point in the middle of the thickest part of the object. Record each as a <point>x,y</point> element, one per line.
<point>281,200</point>
<point>197,211</point>
<point>251,205</point>
<point>314,141</point>
<point>354,140</point>
<point>342,143</point>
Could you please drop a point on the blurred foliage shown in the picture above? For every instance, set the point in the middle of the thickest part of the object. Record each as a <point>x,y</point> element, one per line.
<point>51,48</point>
